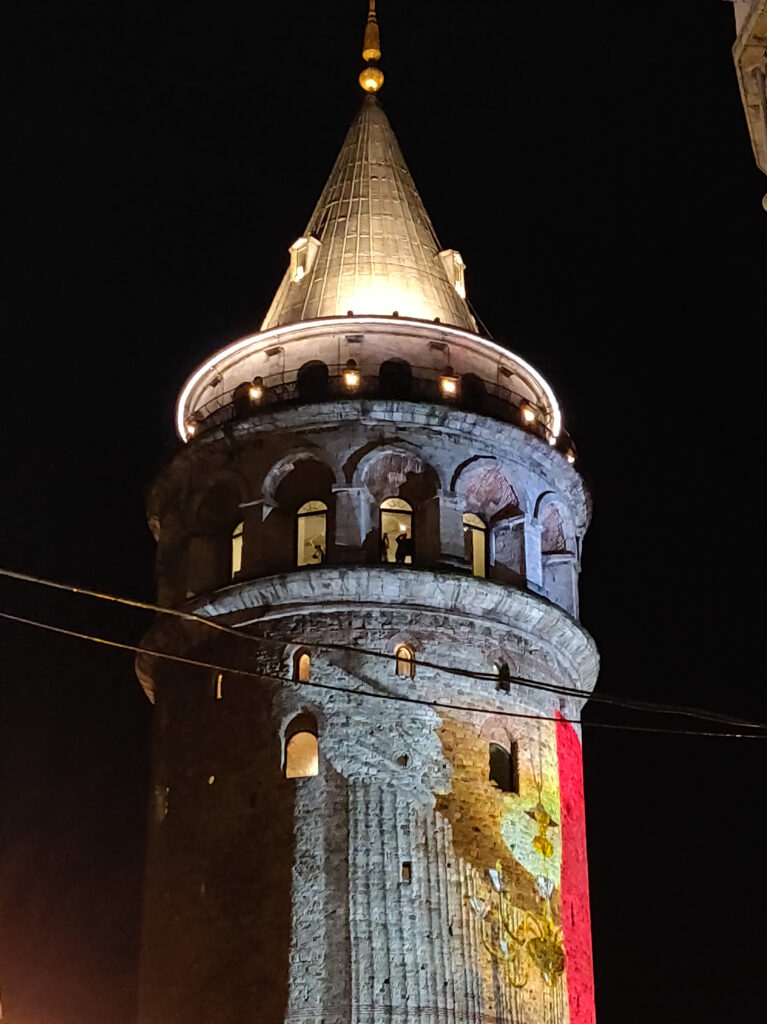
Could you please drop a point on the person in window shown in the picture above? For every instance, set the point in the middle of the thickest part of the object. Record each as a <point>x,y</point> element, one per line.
<point>385,547</point>
<point>404,548</point>
<point>319,552</point>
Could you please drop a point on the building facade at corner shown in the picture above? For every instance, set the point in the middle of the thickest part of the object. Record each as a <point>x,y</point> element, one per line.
<point>749,52</point>
<point>367,786</point>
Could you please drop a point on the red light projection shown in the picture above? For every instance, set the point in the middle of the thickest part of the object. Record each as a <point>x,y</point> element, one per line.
<point>576,916</point>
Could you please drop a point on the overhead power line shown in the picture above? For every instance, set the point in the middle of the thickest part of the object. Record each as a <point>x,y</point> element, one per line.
<point>554,688</point>
<point>397,698</point>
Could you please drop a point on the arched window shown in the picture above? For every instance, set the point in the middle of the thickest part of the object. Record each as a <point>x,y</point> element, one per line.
<point>302,666</point>
<point>405,663</point>
<point>396,531</point>
<point>312,381</point>
<point>312,523</point>
<point>301,747</point>
<point>246,397</point>
<point>504,771</point>
<point>237,534</point>
<point>475,543</point>
<point>503,674</point>
<point>395,378</point>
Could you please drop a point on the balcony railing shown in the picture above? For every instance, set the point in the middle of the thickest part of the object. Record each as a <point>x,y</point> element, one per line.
<point>333,383</point>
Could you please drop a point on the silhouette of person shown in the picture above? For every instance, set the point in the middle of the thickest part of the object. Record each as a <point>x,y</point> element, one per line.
<point>403,546</point>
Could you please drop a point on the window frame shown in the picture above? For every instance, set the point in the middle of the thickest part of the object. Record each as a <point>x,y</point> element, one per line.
<point>479,527</point>
<point>407,511</point>
<point>298,665</point>
<point>304,723</point>
<point>511,753</point>
<point>303,512</point>
<point>236,549</point>
<point>404,664</point>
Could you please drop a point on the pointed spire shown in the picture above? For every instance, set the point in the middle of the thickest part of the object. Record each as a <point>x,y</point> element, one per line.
<point>369,246</point>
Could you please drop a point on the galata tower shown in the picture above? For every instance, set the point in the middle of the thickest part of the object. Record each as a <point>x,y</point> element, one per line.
<point>367,797</point>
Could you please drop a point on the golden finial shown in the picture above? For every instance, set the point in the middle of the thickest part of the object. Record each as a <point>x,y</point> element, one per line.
<point>371,78</point>
<point>371,46</point>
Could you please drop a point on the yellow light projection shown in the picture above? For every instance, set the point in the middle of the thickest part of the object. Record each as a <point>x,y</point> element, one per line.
<point>528,899</point>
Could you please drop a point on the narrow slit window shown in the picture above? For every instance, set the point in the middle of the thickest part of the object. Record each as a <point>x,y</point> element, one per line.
<point>475,543</point>
<point>396,531</point>
<point>219,693</point>
<point>407,872</point>
<point>237,535</point>
<point>503,767</point>
<point>301,747</point>
<point>302,667</point>
<point>312,524</point>
<point>405,663</point>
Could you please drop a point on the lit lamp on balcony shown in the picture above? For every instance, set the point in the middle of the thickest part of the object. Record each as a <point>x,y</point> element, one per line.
<point>191,427</point>
<point>570,456</point>
<point>527,413</point>
<point>351,375</point>
<point>448,383</point>
<point>256,389</point>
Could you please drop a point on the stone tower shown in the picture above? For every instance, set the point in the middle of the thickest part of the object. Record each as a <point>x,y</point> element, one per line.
<point>367,787</point>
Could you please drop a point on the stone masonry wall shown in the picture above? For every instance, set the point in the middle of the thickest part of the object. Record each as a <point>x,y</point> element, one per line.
<point>286,899</point>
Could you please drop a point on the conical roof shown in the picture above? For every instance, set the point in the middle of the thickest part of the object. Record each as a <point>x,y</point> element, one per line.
<point>377,252</point>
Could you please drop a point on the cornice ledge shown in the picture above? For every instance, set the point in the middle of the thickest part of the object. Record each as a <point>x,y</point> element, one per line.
<point>335,588</point>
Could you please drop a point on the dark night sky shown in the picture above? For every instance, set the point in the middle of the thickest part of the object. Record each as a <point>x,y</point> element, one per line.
<point>592,164</point>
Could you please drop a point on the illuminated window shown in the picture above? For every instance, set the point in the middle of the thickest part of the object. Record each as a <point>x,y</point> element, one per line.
<point>219,686</point>
<point>396,531</point>
<point>237,534</point>
<point>301,747</point>
<point>503,767</point>
<point>405,663</point>
<point>302,666</point>
<point>475,543</point>
<point>312,521</point>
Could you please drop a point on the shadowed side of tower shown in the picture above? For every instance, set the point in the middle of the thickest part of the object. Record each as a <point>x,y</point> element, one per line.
<point>367,790</point>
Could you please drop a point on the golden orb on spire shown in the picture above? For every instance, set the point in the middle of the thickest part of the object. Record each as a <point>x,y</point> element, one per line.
<point>371,78</point>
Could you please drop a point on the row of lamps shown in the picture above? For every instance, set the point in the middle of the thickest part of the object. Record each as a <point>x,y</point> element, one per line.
<point>448,385</point>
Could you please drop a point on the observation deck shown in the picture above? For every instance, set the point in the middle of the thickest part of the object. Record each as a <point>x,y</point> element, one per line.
<point>377,357</point>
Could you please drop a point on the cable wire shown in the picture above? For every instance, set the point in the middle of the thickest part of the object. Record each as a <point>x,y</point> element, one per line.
<point>398,698</point>
<point>561,691</point>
